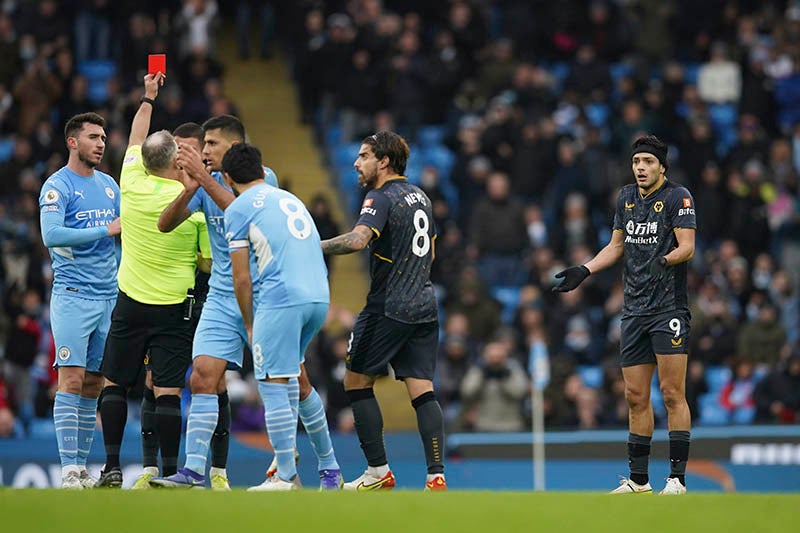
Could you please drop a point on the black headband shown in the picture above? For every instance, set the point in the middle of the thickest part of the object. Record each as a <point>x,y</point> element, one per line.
<point>661,155</point>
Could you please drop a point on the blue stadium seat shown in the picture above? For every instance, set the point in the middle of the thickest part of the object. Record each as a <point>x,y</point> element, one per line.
<point>6,149</point>
<point>597,113</point>
<point>333,135</point>
<point>619,71</point>
<point>690,72</point>
<point>711,413</point>
<point>560,71</point>
<point>509,299</point>
<point>744,416</point>
<point>722,115</point>
<point>440,157</point>
<point>717,377</point>
<point>97,72</point>
<point>591,375</point>
<point>431,135</point>
<point>345,155</point>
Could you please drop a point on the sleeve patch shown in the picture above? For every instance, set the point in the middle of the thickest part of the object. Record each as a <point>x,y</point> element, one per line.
<point>687,202</point>
<point>130,158</point>
<point>48,208</point>
<point>51,196</point>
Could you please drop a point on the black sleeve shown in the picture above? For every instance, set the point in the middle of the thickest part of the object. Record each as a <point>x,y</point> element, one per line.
<point>374,212</point>
<point>618,216</point>
<point>681,209</point>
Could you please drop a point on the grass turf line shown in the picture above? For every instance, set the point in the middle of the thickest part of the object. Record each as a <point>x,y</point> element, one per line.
<point>492,512</point>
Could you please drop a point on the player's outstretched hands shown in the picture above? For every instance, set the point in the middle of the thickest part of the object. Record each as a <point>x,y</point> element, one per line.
<point>573,276</point>
<point>657,267</point>
<point>115,228</point>
<point>190,160</point>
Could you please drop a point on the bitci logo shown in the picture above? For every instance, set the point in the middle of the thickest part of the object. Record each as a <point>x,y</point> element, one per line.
<point>367,202</point>
<point>687,202</point>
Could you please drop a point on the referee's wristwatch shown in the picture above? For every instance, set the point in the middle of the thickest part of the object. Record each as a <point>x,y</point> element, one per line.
<point>146,100</point>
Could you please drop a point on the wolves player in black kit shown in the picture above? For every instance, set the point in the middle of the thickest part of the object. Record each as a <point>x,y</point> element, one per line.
<point>654,227</point>
<point>399,324</point>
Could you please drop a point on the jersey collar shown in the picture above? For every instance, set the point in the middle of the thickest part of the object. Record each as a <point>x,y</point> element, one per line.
<point>650,195</point>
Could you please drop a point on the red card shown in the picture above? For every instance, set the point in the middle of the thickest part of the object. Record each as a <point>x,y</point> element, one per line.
<point>157,63</point>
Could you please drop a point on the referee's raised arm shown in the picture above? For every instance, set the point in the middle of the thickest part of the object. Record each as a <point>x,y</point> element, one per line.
<point>141,121</point>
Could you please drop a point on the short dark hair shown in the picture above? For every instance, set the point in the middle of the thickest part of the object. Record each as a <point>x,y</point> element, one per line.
<point>242,162</point>
<point>390,144</point>
<point>190,130</point>
<point>652,145</point>
<point>230,126</point>
<point>75,124</point>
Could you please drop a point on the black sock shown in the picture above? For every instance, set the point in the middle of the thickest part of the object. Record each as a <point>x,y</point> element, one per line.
<point>678,454</point>
<point>149,437</point>
<point>369,425</point>
<point>220,440</point>
<point>168,427</point>
<point>431,428</point>
<point>113,414</point>
<point>639,457</point>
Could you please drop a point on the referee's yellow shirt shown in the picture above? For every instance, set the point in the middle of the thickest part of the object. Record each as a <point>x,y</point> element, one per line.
<point>156,268</point>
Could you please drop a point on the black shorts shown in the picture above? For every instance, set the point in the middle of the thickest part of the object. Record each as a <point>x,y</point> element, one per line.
<point>156,331</point>
<point>644,336</point>
<point>378,341</point>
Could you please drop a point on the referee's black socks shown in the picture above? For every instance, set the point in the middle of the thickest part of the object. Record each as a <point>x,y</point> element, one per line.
<point>168,427</point>
<point>369,425</point>
<point>431,428</point>
<point>149,436</point>
<point>114,415</point>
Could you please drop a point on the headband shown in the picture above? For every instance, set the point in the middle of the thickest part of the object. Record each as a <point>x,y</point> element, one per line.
<point>661,155</point>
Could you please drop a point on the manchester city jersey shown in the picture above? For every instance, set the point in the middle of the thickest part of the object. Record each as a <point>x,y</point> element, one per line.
<point>649,225</point>
<point>67,199</point>
<point>282,237</point>
<point>221,276</point>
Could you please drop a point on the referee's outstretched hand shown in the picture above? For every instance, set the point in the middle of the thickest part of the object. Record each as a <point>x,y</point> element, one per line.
<point>573,276</point>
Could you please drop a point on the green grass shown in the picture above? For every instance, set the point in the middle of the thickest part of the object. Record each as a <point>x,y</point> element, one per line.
<point>490,512</point>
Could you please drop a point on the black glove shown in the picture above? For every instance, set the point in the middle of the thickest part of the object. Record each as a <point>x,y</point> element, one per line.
<point>657,267</point>
<point>573,276</point>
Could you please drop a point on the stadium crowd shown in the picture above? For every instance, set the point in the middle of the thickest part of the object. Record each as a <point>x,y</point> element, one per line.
<point>520,115</point>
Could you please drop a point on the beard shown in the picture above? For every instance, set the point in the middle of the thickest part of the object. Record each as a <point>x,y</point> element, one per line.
<point>83,159</point>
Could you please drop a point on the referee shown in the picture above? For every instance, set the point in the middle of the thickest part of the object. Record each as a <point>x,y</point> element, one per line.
<point>154,307</point>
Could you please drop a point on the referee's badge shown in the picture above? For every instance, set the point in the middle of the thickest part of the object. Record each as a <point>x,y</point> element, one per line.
<point>64,353</point>
<point>51,196</point>
<point>110,192</point>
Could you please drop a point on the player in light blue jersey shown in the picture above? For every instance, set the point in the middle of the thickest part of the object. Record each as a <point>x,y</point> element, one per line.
<point>220,336</point>
<point>284,303</point>
<point>79,212</point>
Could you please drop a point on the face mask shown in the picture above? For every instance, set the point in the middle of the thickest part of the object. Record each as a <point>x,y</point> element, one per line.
<point>761,280</point>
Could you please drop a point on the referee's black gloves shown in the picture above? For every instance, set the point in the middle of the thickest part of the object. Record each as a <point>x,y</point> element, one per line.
<point>573,276</point>
<point>657,267</point>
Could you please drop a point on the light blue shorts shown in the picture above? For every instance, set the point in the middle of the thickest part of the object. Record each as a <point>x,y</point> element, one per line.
<point>220,331</point>
<point>80,327</point>
<point>281,336</point>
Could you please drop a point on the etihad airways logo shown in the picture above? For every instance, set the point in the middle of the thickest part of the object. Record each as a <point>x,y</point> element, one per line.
<point>641,232</point>
<point>94,214</point>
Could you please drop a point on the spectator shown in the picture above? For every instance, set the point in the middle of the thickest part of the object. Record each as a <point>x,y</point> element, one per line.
<point>762,338</point>
<point>493,390</point>
<point>736,396</point>
<point>22,342</point>
<point>720,80</point>
<point>777,396</point>
<point>6,416</point>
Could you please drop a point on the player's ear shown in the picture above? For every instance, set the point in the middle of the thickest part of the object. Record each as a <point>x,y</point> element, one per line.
<point>72,143</point>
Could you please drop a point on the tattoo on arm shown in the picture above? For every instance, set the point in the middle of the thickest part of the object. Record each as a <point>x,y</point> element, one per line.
<point>354,241</point>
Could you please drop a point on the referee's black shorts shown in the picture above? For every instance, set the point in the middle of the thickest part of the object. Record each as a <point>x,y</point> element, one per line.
<point>378,341</point>
<point>139,329</point>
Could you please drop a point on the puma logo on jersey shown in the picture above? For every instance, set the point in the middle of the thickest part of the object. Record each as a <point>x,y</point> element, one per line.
<point>80,193</point>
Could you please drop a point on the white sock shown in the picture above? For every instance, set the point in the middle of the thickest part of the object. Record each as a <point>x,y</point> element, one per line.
<point>70,468</point>
<point>214,471</point>
<point>378,471</point>
<point>152,470</point>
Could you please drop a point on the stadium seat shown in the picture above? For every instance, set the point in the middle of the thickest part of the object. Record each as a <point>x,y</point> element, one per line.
<point>722,116</point>
<point>509,299</point>
<point>619,71</point>
<point>711,413</point>
<point>431,135</point>
<point>744,416</point>
<point>345,154</point>
<point>6,149</point>
<point>97,72</point>
<point>333,135</point>
<point>592,376</point>
<point>440,157</point>
<point>690,73</point>
<point>597,113</point>
<point>717,377</point>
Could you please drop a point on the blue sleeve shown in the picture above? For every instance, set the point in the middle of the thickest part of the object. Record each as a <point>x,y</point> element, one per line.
<point>55,234</point>
<point>196,203</point>
<point>236,228</point>
<point>270,177</point>
<point>374,211</point>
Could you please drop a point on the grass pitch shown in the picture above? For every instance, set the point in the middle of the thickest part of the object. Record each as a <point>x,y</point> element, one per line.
<point>490,512</point>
